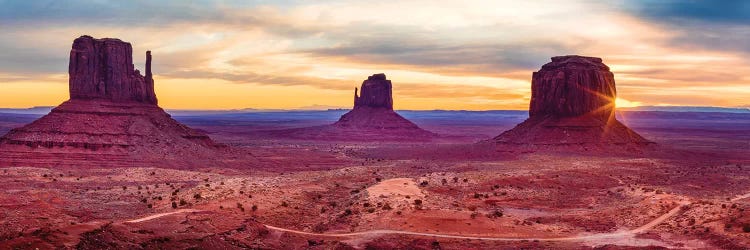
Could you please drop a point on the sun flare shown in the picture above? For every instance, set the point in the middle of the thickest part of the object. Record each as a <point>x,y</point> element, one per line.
<point>622,103</point>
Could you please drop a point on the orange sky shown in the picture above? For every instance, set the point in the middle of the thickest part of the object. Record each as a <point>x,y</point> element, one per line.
<point>473,55</point>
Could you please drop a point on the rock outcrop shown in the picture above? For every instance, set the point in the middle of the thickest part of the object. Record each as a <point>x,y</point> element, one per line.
<point>373,109</point>
<point>371,119</point>
<point>111,118</point>
<point>572,104</point>
<point>573,86</point>
<point>376,92</point>
<point>103,69</point>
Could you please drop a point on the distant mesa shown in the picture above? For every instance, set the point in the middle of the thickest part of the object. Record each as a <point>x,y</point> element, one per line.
<point>572,104</point>
<point>371,119</point>
<point>112,117</point>
<point>373,108</point>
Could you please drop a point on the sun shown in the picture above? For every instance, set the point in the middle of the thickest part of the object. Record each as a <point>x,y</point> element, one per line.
<point>622,103</point>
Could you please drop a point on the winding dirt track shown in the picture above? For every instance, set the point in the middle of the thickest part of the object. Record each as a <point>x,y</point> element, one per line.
<point>599,236</point>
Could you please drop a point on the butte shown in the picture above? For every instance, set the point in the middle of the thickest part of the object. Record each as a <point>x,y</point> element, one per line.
<point>111,119</point>
<point>572,107</point>
<point>371,119</point>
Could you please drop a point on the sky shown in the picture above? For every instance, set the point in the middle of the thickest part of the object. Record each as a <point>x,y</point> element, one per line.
<point>453,55</point>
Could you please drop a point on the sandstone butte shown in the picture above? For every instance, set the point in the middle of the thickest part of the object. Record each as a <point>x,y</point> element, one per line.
<point>572,105</point>
<point>373,110</point>
<point>111,118</point>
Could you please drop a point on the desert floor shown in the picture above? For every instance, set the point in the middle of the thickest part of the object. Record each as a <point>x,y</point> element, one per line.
<point>690,191</point>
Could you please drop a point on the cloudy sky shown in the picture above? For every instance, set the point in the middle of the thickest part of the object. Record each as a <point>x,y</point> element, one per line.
<point>463,54</point>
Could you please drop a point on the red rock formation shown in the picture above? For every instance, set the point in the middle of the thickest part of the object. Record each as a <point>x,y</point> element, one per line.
<point>376,92</point>
<point>573,104</point>
<point>573,86</point>
<point>111,117</point>
<point>103,69</point>
<point>373,108</point>
<point>371,119</point>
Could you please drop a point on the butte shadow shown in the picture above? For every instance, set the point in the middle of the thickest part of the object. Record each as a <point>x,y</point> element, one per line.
<point>111,119</point>
<point>371,119</point>
<point>572,108</point>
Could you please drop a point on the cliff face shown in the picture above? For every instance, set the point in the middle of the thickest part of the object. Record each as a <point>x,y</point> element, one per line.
<point>376,92</point>
<point>572,86</point>
<point>103,69</point>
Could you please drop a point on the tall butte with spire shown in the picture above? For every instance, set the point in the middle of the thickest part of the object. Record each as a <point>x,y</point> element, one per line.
<point>572,105</point>
<point>373,111</point>
<point>111,118</point>
<point>371,119</point>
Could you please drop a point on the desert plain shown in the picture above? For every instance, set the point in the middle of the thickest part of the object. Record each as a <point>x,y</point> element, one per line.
<point>689,190</point>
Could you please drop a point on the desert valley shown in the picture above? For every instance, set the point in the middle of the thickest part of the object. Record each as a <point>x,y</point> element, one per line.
<point>111,169</point>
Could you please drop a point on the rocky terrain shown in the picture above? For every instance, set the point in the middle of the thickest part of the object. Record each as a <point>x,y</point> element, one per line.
<point>572,107</point>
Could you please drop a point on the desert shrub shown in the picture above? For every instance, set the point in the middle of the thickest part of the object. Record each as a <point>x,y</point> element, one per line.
<point>174,204</point>
<point>746,228</point>
<point>371,210</point>
<point>387,207</point>
<point>497,214</point>
<point>477,196</point>
<point>347,212</point>
<point>284,204</point>
<point>149,206</point>
<point>197,196</point>
<point>254,208</point>
<point>418,202</point>
<point>183,202</point>
<point>424,183</point>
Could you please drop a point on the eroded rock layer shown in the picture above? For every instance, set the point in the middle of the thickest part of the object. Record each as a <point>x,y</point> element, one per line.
<point>572,104</point>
